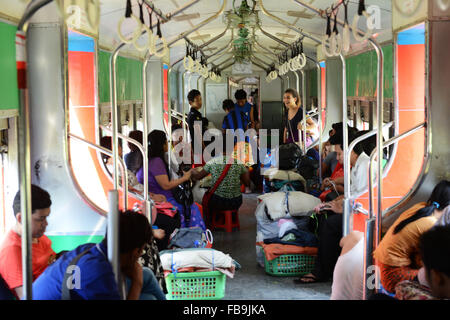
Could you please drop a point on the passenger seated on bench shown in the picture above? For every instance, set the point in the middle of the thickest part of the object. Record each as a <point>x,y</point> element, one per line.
<point>228,195</point>
<point>329,156</point>
<point>93,277</point>
<point>398,251</point>
<point>164,230</point>
<point>11,248</point>
<point>159,182</point>
<point>133,183</point>
<point>348,274</point>
<point>133,159</point>
<point>434,247</point>
<point>177,140</point>
<point>330,227</point>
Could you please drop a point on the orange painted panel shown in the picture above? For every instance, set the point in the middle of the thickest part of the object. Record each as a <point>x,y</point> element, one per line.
<point>81,78</point>
<point>410,153</point>
<point>411,79</point>
<point>323,95</point>
<point>86,118</point>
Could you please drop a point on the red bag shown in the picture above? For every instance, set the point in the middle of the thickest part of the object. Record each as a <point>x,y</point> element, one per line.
<point>166,208</point>
<point>338,172</point>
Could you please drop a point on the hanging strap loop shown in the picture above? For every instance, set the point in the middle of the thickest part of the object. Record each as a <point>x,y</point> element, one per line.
<point>361,7</point>
<point>328,32</point>
<point>128,10</point>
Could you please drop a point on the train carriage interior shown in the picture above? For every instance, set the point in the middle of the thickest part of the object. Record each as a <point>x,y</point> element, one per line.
<point>75,73</point>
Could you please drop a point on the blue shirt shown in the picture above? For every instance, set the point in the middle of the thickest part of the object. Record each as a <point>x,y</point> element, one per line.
<point>97,281</point>
<point>235,120</point>
<point>245,109</point>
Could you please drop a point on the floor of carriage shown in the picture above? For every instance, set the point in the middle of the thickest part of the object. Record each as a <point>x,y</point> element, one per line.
<point>251,282</point>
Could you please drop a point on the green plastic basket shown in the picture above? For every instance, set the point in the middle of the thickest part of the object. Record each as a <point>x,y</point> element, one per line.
<point>289,265</point>
<point>196,286</point>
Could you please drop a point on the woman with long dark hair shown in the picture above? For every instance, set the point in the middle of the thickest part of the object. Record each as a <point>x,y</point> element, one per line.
<point>294,116</point>
<point>160,183</point>
<point>398,253</point>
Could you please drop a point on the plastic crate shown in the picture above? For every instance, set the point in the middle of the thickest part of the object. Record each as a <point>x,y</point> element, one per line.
<point>196,286</point>
<point>289,265</point>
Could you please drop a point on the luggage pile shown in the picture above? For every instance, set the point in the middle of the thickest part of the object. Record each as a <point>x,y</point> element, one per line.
<point>285,242</point>
<point>192,269</point>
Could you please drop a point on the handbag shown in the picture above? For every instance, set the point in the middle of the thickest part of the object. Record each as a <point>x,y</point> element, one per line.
<point>289,154</point>
<point>183,195</point>
<point>193,237</point>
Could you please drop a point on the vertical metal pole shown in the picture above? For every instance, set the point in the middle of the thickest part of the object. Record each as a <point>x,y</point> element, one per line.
<point>297,81</point>
<point>114,127</point>
<point>204,97</point>
<point>368,258</point>
<point>346,213</point>
<point>304,110</point>
<point>169,121</point>
<point>284,112</point>
<point>380,100</point>
<point>113,235</point>
<point>319,106</point>
<point>24,165</point>
<point>184,106</point>
<point>147,202</point>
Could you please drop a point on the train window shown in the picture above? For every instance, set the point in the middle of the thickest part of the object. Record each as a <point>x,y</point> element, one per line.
<point>138,117</point>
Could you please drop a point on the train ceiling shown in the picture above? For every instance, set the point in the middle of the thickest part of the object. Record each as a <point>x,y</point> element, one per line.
<point>288,10</point>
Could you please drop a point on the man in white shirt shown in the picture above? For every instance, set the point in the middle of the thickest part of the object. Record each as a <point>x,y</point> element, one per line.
<point>330,228</point>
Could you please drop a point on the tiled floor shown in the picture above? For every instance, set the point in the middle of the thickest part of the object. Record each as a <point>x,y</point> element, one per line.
<point>251,282</point>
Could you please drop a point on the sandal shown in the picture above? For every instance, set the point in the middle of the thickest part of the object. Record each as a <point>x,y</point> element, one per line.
<point>309,278</point>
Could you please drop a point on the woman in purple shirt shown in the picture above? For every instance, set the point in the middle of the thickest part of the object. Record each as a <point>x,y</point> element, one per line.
<point>159,182</point>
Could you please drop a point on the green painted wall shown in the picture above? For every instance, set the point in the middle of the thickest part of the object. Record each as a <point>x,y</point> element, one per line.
<point>173,85</point>
<point>9,92</point>
<point>312,78</point>
<point>129,78</point>
<point>362,73</point>
<point>60,243</point>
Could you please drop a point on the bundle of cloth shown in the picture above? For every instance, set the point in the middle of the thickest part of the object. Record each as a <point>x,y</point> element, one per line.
<point>198,260</point>
<point>283,225</point>
<point>201,187</point>
<point>276,179</point>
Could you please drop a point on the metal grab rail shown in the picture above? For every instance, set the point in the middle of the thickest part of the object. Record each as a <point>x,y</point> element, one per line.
<point>354,143</point>
<point>227,66</point>
<point>227,46</point>
<point>109,153</point>
<point>141,149</point>
<point>303,110</point>
<point>24,165</point>
<point>373,224</point>
<point>113,91</point>
<point>290,26</point>
<point>319,78</point>
<point>146,196</point>
<point>113,226</point>
<point>260,66</point>
<point>380,98</point>
<point>201,24</point>
<point>372,158</point>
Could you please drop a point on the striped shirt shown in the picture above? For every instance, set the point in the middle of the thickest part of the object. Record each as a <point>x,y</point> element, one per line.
<point>235,120</point>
